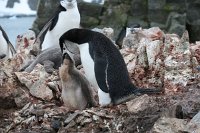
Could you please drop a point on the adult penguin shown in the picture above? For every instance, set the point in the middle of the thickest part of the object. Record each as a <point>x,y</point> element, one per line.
<point>66,17</point>
<point>104,66</point>
<point>6,48</point>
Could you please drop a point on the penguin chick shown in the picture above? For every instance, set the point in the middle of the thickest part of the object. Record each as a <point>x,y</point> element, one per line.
<point>6,48</point>
<point>76,91</point>
<point>51,58</point>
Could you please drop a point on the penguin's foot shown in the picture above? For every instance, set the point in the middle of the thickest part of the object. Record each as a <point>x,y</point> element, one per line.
<point>48,66</point>
<point>107,105</point>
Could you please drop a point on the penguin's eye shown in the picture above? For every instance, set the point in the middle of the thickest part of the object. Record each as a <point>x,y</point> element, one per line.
<point>64,48</point>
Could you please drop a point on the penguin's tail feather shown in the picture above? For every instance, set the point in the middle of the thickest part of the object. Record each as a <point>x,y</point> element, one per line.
<point>138,92</point>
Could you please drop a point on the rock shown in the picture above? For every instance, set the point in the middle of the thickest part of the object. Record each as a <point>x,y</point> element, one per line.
<point>174,111</point>
<point>7,100</point>
<point>109,32</point>
<point>193,19</point>
<point>154,33</point>
<point>195,50</point>
<point>36,82</point>
<point>176,23</point>
<point>156,4</point>
<point>153,49</point>
<point>21,97</point>
<point>194,124</point>
<point>7,88</point>
<point>173,125</point>
<point>10,3</point>
<point>33,4</point>
<point>90,13</point>
<point>141,104</point>
<point>169,125</point>
<point>56,125</point>
<point>71,117</point>
<point>141,50</point>
<point>45,9</point>
<point>177,61</point>
<point>131,40</point>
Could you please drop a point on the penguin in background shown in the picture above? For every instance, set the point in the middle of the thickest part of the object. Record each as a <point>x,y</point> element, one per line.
<point>66,17</point>
<point>7,50</point>
<point>104,66</point>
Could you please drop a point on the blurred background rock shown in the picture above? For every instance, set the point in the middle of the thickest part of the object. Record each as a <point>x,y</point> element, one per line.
<point>172,16</point>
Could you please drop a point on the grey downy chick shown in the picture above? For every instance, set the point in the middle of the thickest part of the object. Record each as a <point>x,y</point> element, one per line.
<point>51,58</point>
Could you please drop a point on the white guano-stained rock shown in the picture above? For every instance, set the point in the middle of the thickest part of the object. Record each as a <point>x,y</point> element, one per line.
<point>36,82</point>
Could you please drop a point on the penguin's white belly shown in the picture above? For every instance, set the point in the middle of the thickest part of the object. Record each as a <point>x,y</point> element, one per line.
<point>88,65</point>
<point>66,21</point>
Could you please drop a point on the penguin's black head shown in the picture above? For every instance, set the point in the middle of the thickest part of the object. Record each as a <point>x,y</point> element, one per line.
<point>76,35</point>
<point>68,36</point>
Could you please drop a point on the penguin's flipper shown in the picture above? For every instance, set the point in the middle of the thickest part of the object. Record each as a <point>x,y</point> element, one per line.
<point>2,56</point>
<point>4,34</point>
<point>44,30</point>
<point>12,49</point>
<point>53,23</point>
<point>100,66</point>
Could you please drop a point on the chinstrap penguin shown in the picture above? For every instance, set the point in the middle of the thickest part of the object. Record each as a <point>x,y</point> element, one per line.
<point>6,48</point>
<point>104,66</point>
<point>66,17</point>
<point>76,90</point>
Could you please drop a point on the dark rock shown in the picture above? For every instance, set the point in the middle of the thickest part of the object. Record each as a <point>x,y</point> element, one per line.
<point>174,111</point>
<point>21,97</point>
<point>7,100</point>
<point>176,23</point>
<point>193,20</point>
<point>56,125</point>
<point>159,16</point>
<point>156,4</point>
<point>139,9</point>
<point>45,10</point>
<point>10,3</point>
<point>33,4</point>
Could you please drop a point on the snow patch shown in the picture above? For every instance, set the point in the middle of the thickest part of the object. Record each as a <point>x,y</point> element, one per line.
<point>21,8</point>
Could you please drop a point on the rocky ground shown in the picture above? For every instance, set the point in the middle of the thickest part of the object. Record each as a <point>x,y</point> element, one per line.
<point>30,102</point>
